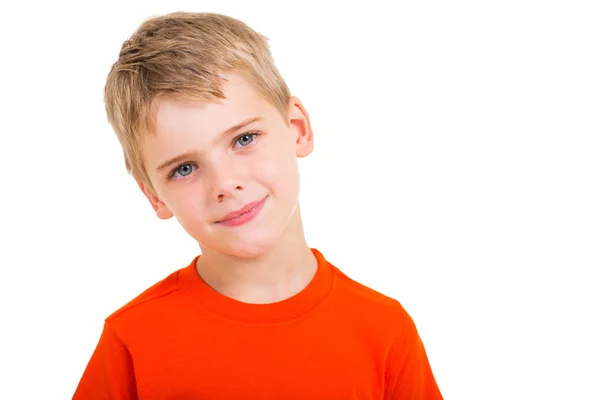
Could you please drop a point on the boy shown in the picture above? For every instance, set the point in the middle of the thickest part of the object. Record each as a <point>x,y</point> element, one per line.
<point>211,134</point>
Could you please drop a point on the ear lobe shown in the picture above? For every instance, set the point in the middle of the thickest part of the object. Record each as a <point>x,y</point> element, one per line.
<point>161,209</point>
<point>300,123</point>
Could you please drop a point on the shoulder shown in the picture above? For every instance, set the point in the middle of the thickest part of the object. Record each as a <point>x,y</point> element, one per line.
<point>383,324</point>
<point>369,304</point>
<point>367,296</point>
<point>150,299</point>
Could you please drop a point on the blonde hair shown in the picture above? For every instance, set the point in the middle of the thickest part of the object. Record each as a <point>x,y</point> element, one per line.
<point>183,55</point>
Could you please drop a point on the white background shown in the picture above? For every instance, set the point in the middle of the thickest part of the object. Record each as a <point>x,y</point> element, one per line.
<point>456,168</point>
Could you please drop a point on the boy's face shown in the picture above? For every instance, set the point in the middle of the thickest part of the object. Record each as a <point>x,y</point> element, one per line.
<point>226,155</point>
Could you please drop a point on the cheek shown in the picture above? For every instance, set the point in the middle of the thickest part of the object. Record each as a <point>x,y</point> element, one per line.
<point>186,204</point>
<point>279,172</point>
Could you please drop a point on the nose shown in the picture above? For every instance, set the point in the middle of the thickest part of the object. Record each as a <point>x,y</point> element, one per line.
<point>226,178</point>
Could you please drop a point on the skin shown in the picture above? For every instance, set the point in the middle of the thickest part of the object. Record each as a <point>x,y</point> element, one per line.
<point>267,259</point>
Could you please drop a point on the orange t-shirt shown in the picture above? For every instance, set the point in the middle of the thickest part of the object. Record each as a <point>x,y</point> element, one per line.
<point>336,339</point>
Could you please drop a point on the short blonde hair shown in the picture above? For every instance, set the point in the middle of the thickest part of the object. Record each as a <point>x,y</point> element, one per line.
<point>183,55</point>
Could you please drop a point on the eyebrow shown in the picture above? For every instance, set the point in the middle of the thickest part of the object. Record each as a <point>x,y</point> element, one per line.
<point>189,154</point>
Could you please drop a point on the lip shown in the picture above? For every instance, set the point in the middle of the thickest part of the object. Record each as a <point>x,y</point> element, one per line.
<point>244,214</point>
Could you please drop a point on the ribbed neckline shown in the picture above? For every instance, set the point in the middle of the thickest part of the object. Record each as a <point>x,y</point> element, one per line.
<point>296,306</point>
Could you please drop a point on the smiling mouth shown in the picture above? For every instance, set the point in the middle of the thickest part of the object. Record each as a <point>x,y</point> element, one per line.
<point>243,215</point>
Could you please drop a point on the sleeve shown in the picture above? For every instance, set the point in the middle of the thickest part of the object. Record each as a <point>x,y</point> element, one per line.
<point>109,373</point>
<point>409,374</point>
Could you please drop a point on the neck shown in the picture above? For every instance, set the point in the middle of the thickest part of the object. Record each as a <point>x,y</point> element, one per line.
<point>281,272</point>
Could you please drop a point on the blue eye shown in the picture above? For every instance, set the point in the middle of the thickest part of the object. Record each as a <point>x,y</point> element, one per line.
<point>183,170</point>
<point>246,139</point>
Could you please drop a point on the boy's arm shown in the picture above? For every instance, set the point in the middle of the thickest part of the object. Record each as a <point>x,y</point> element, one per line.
<point>410,375</point>
<point>109,373</point>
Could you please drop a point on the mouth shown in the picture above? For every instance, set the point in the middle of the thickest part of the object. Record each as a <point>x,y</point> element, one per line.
<point>244,214</point>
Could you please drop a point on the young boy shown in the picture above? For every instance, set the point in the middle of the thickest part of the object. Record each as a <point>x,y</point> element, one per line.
<point>211,134</point>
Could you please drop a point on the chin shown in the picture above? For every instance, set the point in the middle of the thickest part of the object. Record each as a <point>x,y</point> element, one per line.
<point>252,248</point>
<point>248,254</point>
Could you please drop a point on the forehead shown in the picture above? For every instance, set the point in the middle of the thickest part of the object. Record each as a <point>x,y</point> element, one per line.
<point>241,102</point>
<point>183,125</point>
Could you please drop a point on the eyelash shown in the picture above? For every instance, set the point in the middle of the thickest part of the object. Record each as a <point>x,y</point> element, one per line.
<point>254,134</point>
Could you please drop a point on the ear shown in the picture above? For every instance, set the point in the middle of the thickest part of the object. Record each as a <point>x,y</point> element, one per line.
<point>299,122</point>
<point>161,209</point>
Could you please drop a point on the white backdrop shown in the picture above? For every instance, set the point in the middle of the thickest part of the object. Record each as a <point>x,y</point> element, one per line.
<point>456,169</point>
